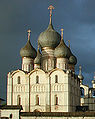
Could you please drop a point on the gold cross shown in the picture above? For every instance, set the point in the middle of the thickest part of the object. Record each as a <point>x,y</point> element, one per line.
<point>50,8</point>
<point>29,31</point>
<point>62,33</point>
<point>69,43</point>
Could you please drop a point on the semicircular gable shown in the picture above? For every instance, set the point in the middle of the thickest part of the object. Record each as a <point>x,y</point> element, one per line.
<point>16,71</point>
<point>19,77</point>
<point>56,69</point>
<point>57,76</point>
<point>36,70</point>
<point>37,76</point>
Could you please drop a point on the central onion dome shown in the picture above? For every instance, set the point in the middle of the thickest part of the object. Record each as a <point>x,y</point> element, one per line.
<point>62,50</point>
<point>49,38</point>
<point>28,50</point>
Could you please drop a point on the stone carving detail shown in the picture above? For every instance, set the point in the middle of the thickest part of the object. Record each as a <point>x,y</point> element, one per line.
<point>37,88</point>
<point>19,88</point>
<point>57,87</point>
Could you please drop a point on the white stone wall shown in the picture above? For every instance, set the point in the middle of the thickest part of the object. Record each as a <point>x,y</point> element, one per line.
<point>7,112</point>
<point>21,89</point>
<point>62,63</point>
<point>48,60</point>
<point>66,89</point>
<point>27,64</point>
<point>39,89</point>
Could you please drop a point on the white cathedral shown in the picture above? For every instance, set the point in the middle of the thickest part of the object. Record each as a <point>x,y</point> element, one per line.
<point>47,81</point>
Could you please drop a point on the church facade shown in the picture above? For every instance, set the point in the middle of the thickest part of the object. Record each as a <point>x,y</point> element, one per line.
<point>47,81</point>
<point>47,86</point>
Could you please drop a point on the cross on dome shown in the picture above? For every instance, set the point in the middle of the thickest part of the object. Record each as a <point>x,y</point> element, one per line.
<point>50,8</point>
<point>29,31</point>
<point>62,34</point>
<point>69,43</point>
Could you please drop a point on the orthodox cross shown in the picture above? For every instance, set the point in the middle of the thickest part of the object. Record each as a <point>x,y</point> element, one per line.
<point>29,31</point>
<point>62,34</point>
<point>69,43</point>
<point>50,8</point>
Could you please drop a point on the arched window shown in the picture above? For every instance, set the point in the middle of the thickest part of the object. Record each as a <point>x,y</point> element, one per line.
<point>18,79</point>
<point>18,100</point>
<point>37,100</point>
<point>37,79</point>
<point>56,100</point>
<point>56,78</point>
<point>82,92</point>
<point>93,93</point>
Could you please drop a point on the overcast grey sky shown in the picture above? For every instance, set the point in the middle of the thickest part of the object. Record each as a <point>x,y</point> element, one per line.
<point>77,17</point>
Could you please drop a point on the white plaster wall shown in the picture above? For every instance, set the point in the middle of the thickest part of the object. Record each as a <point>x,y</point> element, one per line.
<point>66,89</point>
<point>21,89</point>
<point>27,64</point>
<point>39,89</point>
<point>61,90</point>
<point>6,113</point>
<point>62,63</point>
<point>48,60</point>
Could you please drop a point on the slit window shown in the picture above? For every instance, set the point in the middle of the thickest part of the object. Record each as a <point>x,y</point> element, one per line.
<point>56,100</point>
<point>82,92</point>
<point>18,100</point>
<point>56,79</point>
<point>19,80</point>
<point>37,79</point>
<point>37,100</point>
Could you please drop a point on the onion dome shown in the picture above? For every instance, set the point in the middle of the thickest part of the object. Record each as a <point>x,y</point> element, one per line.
<point>62,50</point>
<point>80,76</point>
<point>37,60</point>
<point>49,38</point>
<point>72,60</point>
<point>28,50</point>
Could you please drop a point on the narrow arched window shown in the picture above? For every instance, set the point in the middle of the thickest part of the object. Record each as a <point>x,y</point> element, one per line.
<point>56,78</point>
<point>56,100</point>
<point>82,91</point>
<point>93,93</point>
<point>37,79</point>
<point>18,100</point>
<point>18,79</point>
<point>37,100</point>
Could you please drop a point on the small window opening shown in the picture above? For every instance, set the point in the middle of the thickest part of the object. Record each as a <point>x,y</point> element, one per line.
<point>37,100</point>
<point>37,79</point>
<point>18,100</point>
<point>18,79</point>
<point>56,79</point>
